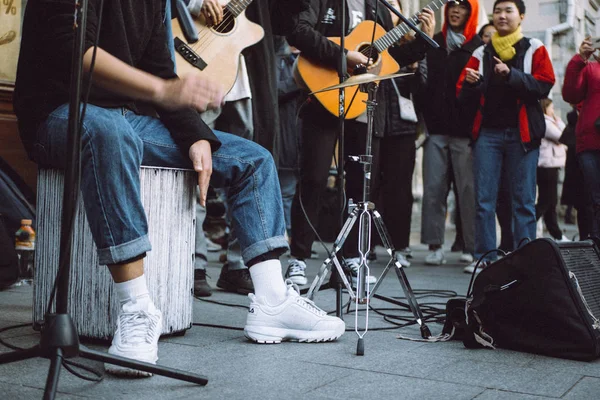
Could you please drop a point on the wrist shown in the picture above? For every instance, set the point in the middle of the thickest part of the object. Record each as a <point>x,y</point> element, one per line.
<point>159,90</point>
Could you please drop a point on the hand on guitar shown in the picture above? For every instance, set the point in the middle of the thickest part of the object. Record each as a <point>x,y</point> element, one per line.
<point>427,19</point>
<point>355,58</point>
<point>192,91</point>
<point>212,11</point>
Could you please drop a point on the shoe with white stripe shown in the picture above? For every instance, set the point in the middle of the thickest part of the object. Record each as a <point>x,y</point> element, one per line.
<point>295,271</point>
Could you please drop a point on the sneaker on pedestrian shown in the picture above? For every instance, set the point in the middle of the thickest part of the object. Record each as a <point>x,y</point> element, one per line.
<point>471,267</point>
<point>353,264</point>
<point>436,257</point>
<point>136,337</point>
<point>201,286</point>
<point>407,252</point>
<point>235,280</point>
<point>296,319</point>
<point>401,258</point>
<point>295,271</point>
<point>563,239</point>
<point>466,258</point>
<point>212,246</point>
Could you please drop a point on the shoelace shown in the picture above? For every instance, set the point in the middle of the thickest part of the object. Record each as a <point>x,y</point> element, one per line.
<point>138,327</point>
<point>353,265</point>
<point>296,267</point>
<point>303,301</point>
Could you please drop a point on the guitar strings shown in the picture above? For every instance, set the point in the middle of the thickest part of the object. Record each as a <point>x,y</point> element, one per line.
<point>403,28</point>
<point>207,38</point>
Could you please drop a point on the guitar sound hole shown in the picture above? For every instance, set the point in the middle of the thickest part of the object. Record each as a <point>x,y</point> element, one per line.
<point>369,51</point>
<point>227,24</point>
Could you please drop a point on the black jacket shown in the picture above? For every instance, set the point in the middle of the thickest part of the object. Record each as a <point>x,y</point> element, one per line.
<point>443,115</point>
<point>322,20</point>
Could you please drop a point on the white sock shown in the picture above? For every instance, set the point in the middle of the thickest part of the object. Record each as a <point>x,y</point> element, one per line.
<point>134,291</point>
<point>268,281</point>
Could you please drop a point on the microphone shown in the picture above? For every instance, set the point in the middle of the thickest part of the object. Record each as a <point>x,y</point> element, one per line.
<point>186,22</point>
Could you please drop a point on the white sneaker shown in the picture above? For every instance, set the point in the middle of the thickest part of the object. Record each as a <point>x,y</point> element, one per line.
<point>436,257</point>
<point>471,267</point>
<point>563,239</point>
<point>212,246</point>
<point>401,258</point>
<point>295,271</point>
<point>296,319</point>
<point>407,252</point>
<point>136,337</point>
<point>466,258</point>
<point>353,265</point>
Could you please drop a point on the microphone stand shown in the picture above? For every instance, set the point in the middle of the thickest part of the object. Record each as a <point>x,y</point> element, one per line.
<point>59,338</point>
<point>410,24</point>
<point>341,179</point>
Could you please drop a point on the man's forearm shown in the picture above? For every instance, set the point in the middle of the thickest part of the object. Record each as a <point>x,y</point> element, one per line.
<point>117,77</point>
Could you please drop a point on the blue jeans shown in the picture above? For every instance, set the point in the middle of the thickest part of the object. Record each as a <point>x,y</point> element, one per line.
<point>116,142</point>
<point>494,150</point>
<point>589,162</point>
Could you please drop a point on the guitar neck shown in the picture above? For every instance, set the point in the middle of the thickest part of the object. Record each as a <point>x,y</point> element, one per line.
<point>236,7</point>
<point>402,29</point>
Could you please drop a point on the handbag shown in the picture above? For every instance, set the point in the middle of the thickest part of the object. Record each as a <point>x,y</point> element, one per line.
<point>406,106</point>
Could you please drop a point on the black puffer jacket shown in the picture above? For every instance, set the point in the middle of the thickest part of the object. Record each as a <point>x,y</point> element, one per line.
<point>443,115</point>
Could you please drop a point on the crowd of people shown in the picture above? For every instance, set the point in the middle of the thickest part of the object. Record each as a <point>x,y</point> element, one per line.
<point>266,153</point>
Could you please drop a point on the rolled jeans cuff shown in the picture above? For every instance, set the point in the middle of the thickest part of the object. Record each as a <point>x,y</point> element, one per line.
<point>125,251</point>
<point>264,246</point>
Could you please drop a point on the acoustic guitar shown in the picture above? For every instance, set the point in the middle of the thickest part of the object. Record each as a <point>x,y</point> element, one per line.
<point>216,54</point>
<point>315,76</point>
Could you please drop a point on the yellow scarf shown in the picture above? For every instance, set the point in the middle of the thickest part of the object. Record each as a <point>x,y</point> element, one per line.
<point>504,44</point>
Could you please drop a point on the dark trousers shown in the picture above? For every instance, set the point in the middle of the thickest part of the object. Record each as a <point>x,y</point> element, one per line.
<point>394,198</point>
<point>547,182</point>
<point>589,162</point>
<point>318,144</point>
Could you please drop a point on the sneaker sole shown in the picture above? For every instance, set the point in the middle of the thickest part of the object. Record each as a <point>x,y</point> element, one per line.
<point>277,335</point>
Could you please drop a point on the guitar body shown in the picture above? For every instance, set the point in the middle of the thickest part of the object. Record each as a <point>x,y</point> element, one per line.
<point>219,50</point>
<point>315,76</point>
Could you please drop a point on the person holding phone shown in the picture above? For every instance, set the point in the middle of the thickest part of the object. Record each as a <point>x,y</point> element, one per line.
<point>504,82</point>
<point>581,77</point>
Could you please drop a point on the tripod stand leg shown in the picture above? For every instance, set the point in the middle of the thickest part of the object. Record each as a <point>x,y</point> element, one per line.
<point>410,296</point>
<point>142,366</point>
<point>21,355</point>
<point>326,266</point>
<point>53,375</point>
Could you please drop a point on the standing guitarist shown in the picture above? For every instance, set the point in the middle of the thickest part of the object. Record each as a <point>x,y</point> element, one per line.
<point>320,128</point>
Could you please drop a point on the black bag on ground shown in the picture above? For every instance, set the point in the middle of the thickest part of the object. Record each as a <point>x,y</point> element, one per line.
<point>543,298</point>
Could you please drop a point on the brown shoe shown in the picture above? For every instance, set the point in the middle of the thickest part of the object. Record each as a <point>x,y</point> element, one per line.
<point>201,286</point>
<point>236,280</point>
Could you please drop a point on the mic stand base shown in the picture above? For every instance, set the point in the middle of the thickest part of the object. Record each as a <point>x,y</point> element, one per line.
<point>60,341</point>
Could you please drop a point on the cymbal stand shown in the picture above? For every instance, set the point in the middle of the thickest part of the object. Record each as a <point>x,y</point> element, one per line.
<point>367,215</point>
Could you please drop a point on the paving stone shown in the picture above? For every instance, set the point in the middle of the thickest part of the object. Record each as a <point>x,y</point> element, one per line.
<point>586,388</point>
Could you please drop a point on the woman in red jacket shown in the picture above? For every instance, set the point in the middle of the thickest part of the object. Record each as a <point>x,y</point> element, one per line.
<point>582,80</point>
